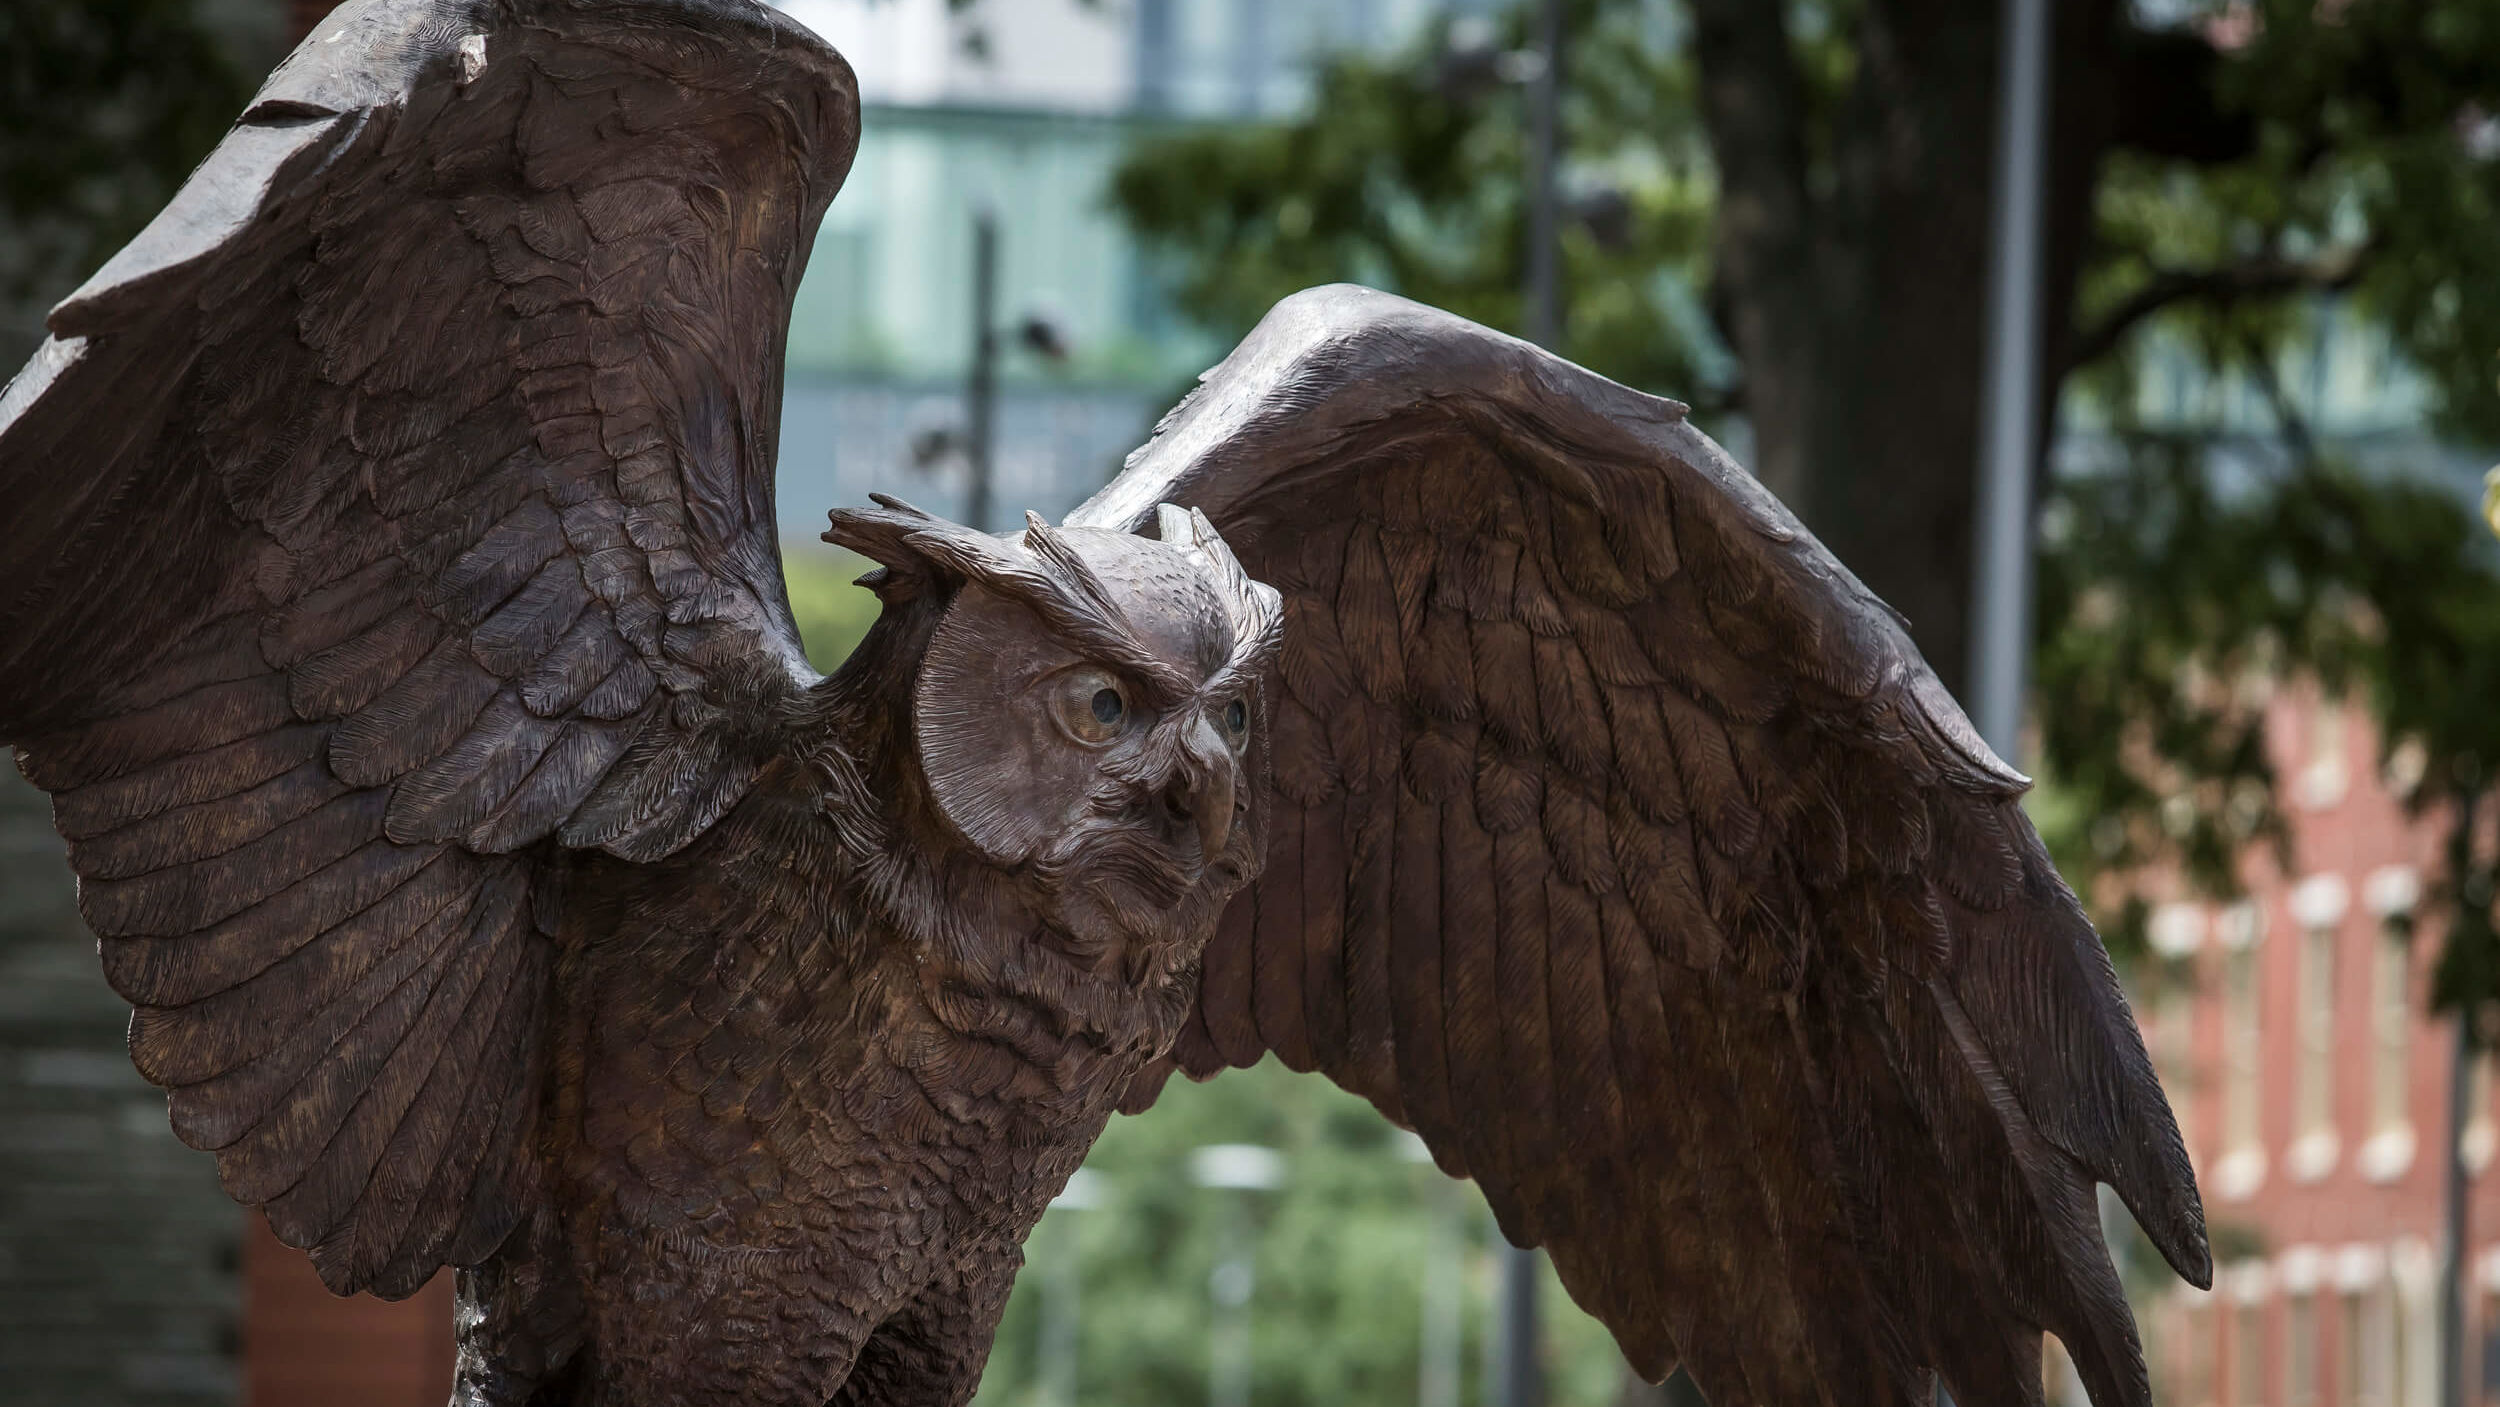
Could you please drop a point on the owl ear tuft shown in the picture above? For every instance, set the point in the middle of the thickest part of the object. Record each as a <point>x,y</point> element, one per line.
<point>919,552</point>
<point>910,546</point>
<point>1256,609</point>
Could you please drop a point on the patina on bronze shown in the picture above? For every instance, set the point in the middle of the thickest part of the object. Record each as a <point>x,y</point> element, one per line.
<point>390,600</point>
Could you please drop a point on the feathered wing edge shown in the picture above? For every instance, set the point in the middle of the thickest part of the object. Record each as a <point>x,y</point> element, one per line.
<point>1626,849</point>
<point>397,508</point>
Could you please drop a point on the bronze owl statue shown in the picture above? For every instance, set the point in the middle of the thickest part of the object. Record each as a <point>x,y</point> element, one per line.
<point>390,600</point>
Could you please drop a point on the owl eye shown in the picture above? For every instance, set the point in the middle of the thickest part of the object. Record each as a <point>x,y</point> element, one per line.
<point>1090,705</point>
<point>1237,718</point>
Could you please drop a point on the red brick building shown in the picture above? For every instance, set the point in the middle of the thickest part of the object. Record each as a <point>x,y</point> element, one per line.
<point>2291,1030</point>
<point>302,1346</point>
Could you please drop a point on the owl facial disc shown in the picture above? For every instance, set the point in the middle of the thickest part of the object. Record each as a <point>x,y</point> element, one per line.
<point>1089,700</point>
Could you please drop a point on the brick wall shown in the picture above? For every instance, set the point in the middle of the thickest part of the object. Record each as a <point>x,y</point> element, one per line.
<point>2328,1231</point>
<point>305,1347</point>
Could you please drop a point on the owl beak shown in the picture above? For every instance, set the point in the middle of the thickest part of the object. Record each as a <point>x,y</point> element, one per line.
<point>1204,791</point>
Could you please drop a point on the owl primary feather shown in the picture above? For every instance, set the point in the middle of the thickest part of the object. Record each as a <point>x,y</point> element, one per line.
<point>390,600</point>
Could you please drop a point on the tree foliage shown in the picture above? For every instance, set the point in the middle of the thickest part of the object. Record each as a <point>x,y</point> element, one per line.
<point>1340,1250</point>
<point>2214,551</point>
<point>2175,598</point>
<point>1410,175</point>
<point>105,105</point>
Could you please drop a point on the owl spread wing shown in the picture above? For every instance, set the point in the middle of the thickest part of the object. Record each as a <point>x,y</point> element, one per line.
<point>1624,848</point>
<point>394,512</point>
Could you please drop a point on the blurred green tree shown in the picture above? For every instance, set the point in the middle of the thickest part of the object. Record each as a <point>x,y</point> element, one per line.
<point>1802,190</point>
<point>831,613</point>
<point>1341,1250</point>
<point>105,105</point>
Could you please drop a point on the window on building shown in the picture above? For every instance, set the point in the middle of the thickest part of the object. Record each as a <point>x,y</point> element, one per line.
<point>2315,1096</point>
<point>2243,1051</point>
<point>2300,1351</point>
<point>2392,996</point>
<point>2248,1357</point>
<point>2481,1138</point>
<point>2393,1387</point>
<point>2327,771</point>
<point>2405,766</point>
<point>2377,1371</point>
<point>2196,1357</point>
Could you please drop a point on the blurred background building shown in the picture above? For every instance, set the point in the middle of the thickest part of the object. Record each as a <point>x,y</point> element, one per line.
<point>2289,1028</point>
<point>1022,111</point>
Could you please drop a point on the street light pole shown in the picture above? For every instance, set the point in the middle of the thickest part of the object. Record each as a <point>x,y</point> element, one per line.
<point>1522,1360</point>
<point>2001,586</point>
<point>1544,290</point>
<point>981,388</point>
<point>1238,1168</point>
<point>2000,656</point>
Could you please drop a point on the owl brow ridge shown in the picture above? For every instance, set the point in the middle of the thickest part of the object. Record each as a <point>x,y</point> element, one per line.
<point>1257,610</point>
<point>1068,570</point>
<point>1047,579</point>
<point>1105,636</point>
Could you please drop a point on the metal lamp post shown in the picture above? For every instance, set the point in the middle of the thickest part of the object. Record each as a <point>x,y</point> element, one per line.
<point>2010,418</point>
<point>1233,1167</point>
<point>977,438</point>
<point>981,388</point>
<point>2009,429</point>
<point>1438,1349</point>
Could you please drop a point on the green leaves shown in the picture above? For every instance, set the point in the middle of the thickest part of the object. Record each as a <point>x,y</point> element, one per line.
<point>1409,174</point>
<point>2179,588</point>
<point>105,105</point>
<point>2370,163</point>
<point>831,613</point>
<point>1340,1252</point>
<point>2223,547</point>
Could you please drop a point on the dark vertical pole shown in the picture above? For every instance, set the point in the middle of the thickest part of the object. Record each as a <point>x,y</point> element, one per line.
<point>2453,1273</point>
<point>1156,58</point>
<point>1251,58</point>
<point>981,391</point>
<point>1520,1349</point>
<point>1522,1357</point>
<point>1544,291</point>
<point>2008,431</point>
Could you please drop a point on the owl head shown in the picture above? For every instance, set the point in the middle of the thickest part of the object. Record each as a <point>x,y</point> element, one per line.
<point>1087,710</point>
